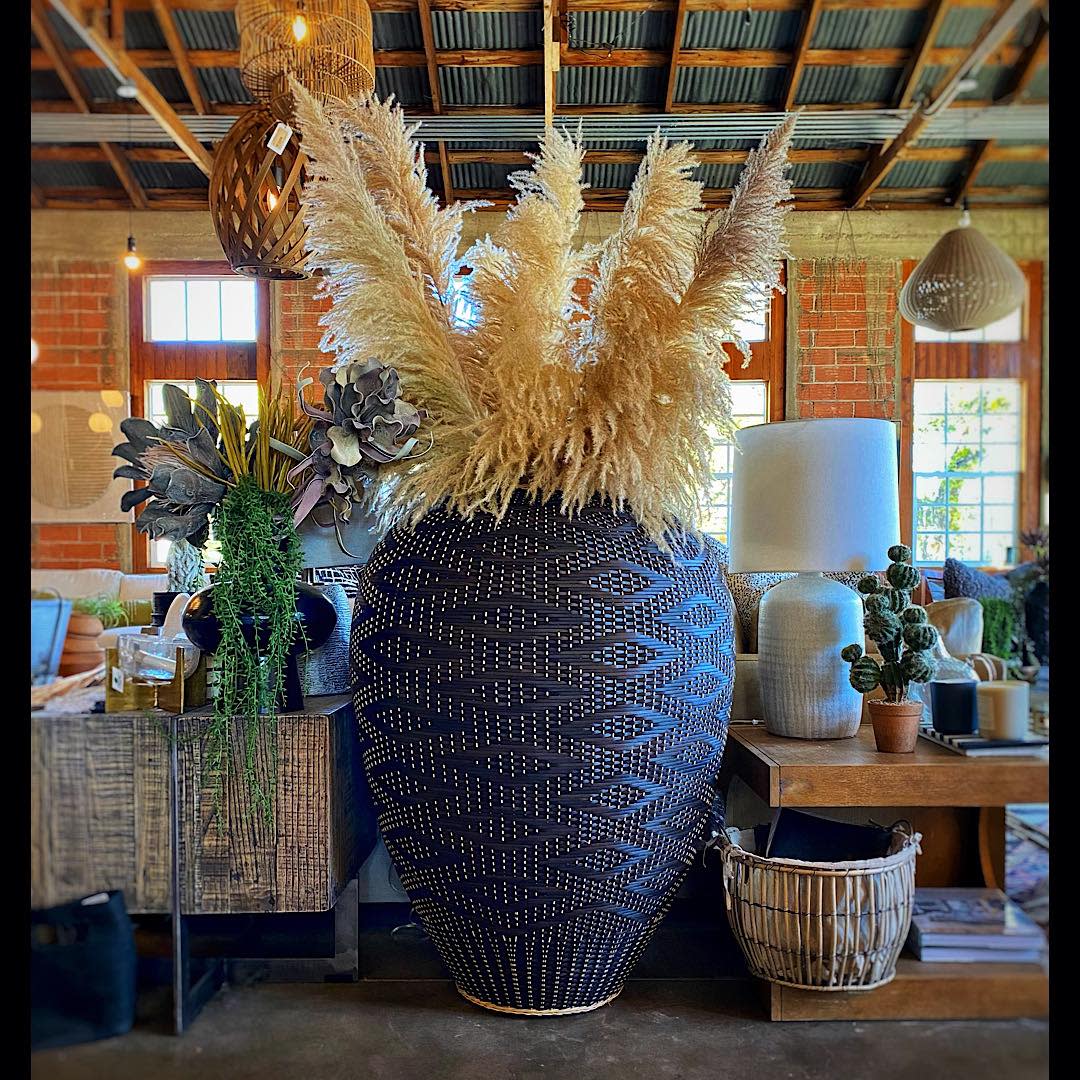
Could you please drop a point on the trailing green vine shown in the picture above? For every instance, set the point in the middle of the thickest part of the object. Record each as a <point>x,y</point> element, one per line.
<point>261,558</point>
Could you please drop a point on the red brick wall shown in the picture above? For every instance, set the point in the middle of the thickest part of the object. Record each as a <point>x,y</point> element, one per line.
<point>847,359</point>
<point>299,334</point>
<point>74,305</point>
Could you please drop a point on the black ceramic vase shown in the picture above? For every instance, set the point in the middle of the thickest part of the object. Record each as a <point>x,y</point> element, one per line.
<point>315,618</point>
<point>543,704</point>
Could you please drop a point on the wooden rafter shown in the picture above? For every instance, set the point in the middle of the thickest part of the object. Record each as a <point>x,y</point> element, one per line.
<point>146,93</point>
<point>967,180</point>
<point>676,48</point>
<point>428,34</point>
<point>178,52</point>
<point>920,55</point>
<point>550,56</point>
<point>115,157</point>
<point>1006,56</point>
<point>58,56</point>
<point>802,46</point>
<point>993,34</point>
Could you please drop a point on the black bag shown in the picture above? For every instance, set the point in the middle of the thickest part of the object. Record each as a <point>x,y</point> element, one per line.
<point>794,835</point>
<point>82,972</point>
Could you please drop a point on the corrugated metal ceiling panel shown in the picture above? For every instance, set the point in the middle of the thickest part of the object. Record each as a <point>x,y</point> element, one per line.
<point>879,28</point>
<point>64,32</point>
<point>621,29</point>
<point>408,85</point>
<point>491,85</point>
<point>962,26</point>
<point>609,176</point>
<point>46,86</point>
<point>141,31</point>
<point>55,174</point>
<point>207,29</point>
<point>731,30</point>
<point>841,83</point>
<point>493,144</point>
<point>472,177</point>
<point>610,85</point>
<point>487,29</point>
<point>1008,173</point>
<point>168,83</point>
<point>708,86</point>
<point>824,174</point>
<point>718,176</point>
<point>1039,87</point>
<point>99,83</point>
<point>167,174</point>
<point>396,30</point>
<point>223,84</point>
<point>917,174</point>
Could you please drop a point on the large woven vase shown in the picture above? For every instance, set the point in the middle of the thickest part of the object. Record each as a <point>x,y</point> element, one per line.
<point>542,704</point>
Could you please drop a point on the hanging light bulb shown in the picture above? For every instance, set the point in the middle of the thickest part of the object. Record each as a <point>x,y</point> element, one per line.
<point>271,199</point>
<point>132,260</point>
<point>300,27</point>
<point>35,352</point>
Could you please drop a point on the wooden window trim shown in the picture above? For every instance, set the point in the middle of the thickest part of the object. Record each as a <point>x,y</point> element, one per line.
<point>977,360</point>
<point>767,358</point>
<point>184,360</point>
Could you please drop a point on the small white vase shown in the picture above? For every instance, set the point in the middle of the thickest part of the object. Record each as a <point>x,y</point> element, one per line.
<point>803,623</point>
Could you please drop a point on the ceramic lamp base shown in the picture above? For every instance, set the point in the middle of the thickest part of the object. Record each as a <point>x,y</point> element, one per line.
<point>803,623</point>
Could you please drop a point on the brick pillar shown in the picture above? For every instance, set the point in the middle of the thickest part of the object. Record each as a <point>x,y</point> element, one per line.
<point>847,350</point>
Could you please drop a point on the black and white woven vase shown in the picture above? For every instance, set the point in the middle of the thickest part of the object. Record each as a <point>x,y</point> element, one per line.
<point>542,705</point>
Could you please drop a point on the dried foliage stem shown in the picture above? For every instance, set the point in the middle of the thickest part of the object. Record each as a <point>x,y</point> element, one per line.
<point>620,402</point>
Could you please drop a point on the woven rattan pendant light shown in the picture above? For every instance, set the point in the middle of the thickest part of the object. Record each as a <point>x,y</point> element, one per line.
<point>964,283</point>
<point>255,200</point>
<point>326,44</point>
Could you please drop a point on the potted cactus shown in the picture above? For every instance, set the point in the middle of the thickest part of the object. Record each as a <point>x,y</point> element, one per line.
<point>905,639</point>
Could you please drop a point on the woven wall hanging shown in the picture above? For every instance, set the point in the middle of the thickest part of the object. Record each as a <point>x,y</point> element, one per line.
<point>326,44</point>
<point>964,283</point>
<point>255,200</point>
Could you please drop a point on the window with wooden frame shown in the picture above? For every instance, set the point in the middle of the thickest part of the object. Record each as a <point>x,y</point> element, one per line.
<point>757,397</point>
<point>970,445</point>
<point>194,320</point>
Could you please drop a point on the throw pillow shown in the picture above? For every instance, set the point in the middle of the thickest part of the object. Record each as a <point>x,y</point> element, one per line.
<point>963,580</point>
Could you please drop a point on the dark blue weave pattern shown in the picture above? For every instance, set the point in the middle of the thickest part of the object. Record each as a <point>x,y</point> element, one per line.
<point>543,704</point>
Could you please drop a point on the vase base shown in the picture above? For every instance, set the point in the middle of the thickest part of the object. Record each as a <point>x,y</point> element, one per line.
<point>536,1012</point>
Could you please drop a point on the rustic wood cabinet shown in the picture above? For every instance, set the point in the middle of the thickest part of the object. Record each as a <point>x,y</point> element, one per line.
<point>101,813</point>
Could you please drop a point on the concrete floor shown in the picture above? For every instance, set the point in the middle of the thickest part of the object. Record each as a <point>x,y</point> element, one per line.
<point>421,1030</point>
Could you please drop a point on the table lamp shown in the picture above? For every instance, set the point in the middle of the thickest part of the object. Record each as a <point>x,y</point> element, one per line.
<point>811,496</point>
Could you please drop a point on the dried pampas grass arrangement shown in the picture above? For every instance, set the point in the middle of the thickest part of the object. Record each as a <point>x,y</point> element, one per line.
<point>619,404</point>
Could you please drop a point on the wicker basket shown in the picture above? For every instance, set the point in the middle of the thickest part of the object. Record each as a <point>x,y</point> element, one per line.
<point>821,926</point>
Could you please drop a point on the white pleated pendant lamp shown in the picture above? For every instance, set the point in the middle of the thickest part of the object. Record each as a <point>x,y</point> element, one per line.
<point>964,283</point>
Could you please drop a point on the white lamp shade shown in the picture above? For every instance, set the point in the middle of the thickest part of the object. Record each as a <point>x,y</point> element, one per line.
<point>815,495</point>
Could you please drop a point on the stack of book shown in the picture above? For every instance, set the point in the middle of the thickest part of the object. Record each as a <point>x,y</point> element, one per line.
<point>976,746</point>
<point>952,926</point>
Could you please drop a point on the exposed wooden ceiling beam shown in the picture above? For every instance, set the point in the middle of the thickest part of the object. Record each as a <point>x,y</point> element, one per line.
<point>676,48</point>
<point>428,34</point>
<point>975,163</point>
<point>1006,56</point>
<point>551,57</point>
<point>996,31</point>
<point>920,55</point>
<point>57,55</point>
<point>179,53</point>
<point>802,46</point>
<point>572,5</point>
<point>120,166</point>
<point>146,93</point>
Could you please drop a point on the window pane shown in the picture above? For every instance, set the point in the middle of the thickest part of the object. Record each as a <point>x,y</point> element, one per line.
<point>238,310</point>
<point>749,400</point>
<point>204,310</point>
<point>966,462</point>
<point>167,310</point>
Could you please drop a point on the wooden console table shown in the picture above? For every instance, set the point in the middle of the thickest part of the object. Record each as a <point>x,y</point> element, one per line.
<point>958,804</point>
<point>119,801</point>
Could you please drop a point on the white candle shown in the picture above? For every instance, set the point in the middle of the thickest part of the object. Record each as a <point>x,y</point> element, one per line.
<point>1003,709</point>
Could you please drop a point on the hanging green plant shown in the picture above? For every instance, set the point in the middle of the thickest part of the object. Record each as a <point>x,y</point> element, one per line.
<point>255,602</point>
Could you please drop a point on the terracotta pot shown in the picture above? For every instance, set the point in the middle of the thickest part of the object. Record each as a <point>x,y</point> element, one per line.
<point>896,727</point>
<point>82,625</point>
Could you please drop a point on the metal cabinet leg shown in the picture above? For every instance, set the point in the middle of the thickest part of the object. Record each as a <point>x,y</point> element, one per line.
<point>188,997</point>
